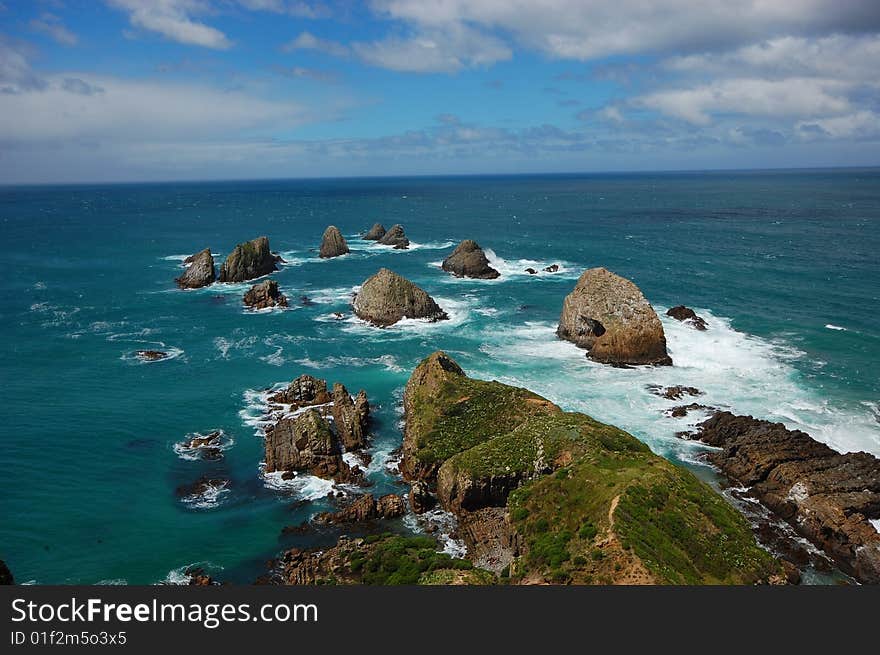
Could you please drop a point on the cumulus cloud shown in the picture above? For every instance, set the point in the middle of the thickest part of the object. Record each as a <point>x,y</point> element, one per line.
<point>173,20</point>
<point>308,41</point>
<point>52,26</point>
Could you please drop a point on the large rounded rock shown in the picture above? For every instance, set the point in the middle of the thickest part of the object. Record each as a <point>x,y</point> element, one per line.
<point>199,271</point>
<point>375,233</point>
<point>265,295</point>
<point>608,315</point>
<point>333,243</point>
<point>469,260</point>
<point>249,260</point>
<point>386,297</point>
<point>395,237</point>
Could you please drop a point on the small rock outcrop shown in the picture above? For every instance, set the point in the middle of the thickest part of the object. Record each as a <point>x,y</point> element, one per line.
<point>827,497</point>
<point>553,268</point>
<point>265,295</point>
<point>366,508</point>
<point>5,574</point>
<point>395,237</point>
<point>386,297</point>
<point>350,417</point>
<point>375,233</point>
<point>151,355</point>
<point>199,271</point>
<point>469,260</point>
<point>249,260</point>
<point>333,243</point>
<point>305,442</point>
<point>674,393</point>
<point>305,391</point>
<point>608,315</point>
<point>687,315</point>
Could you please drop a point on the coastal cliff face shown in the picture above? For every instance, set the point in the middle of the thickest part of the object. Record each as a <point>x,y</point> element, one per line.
<point>469,260</point>
<point>547,496</point>
<point>386,297</point>
<point>827,497</point>
<point>333,243</point>
<point>249,260</point>
<point>199,272</point>
<point>608,315</point>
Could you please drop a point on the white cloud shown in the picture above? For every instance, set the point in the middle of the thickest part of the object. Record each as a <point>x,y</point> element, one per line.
<point>791,97</point>
<point>308,41</point>
<point>173,20</point>
<point>52,26</point>
<point>857,125</point>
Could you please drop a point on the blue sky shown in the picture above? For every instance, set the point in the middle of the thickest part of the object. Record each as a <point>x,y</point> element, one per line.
<point>123,90</point>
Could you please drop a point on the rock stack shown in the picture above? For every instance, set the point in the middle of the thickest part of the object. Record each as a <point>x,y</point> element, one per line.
<point>386,297</point>
<point>469,260</point>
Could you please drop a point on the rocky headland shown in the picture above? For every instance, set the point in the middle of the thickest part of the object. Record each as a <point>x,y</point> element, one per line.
<point>199,271</point>
<point>249,260</point>
<point>469,260</point>
<point>332,244</point>
<point>609,316</point>
<point>386,297</point>
<point>827,497</point>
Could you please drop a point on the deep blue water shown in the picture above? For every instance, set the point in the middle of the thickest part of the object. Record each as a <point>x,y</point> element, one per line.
<point>776,262</point>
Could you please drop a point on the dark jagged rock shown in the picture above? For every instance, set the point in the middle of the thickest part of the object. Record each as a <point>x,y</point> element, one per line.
<point>469,260</point>
<point>395,237</point>
<point>350,417</point>
<point>556,496</point>
<point>305,391</point>
<point>553,268</point>
<point>608,315</point>
<point>531,271</point>
<point>674,393</point>
<point>687,315</point>
<point>683,410</point>
<point>366,508</point>
<point>305,301</point>
<point>333,243</point>
<point>249,260</point>
<point>199,271</point>
<point>265,295</point>
<point>151,355</point>
<point>305,442</point>
<point>198,577</point>
<point>420,498</point>
<point>5,574</point>
<point>827,497</point>
<point>200,487</point>
<point>375,233</point>
<point>278,258</point>
<point>386,297</point>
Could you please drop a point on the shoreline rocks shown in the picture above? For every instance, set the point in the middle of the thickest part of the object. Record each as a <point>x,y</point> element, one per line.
<point>264,295</point>
<point>374,233</point>
<point>305,442</point>
<point>249,260</point>
<point>469,260</point>
<point>350,417</point>
<point>689,316</point>
<point>364,508</point>
<point>199,272</point>
<point>609,316</point>
<point>386,297</point>
<point>332,243</point>
<point>827,497</point>
<point>395,237</point>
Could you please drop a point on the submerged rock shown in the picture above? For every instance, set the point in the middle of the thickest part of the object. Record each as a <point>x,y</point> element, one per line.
<point>5,574</point>
<point>350,417</point>
<point>608,315</point>
<point>333,243</point>
<point>199,272</point>
<point>469,260</point>
<point>151,355</point>
<point>375,233</point>
<point>674,393</point>
<point>395,237</point>
<point>531,271</point>
<point>249,260</point>
<point>264,296</point>
<point>827,497</point>
<point>386,297</point>
<point>687,315</point>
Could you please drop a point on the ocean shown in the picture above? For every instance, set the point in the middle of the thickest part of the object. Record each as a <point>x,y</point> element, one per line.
<point>783,266</point>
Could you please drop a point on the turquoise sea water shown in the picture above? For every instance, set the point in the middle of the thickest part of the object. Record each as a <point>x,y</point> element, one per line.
<point>783,265</point>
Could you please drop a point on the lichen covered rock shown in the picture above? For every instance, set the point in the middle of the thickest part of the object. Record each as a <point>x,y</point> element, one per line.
<point>333,243</point>
<point>386,297</point>
<point>609,316</point>
<point>247,261</point>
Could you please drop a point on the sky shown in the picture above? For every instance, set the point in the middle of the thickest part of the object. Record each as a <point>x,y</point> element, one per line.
<point>143,90</point>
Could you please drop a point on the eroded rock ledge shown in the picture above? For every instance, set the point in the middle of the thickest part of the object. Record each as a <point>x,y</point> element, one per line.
<point>827,497</point>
